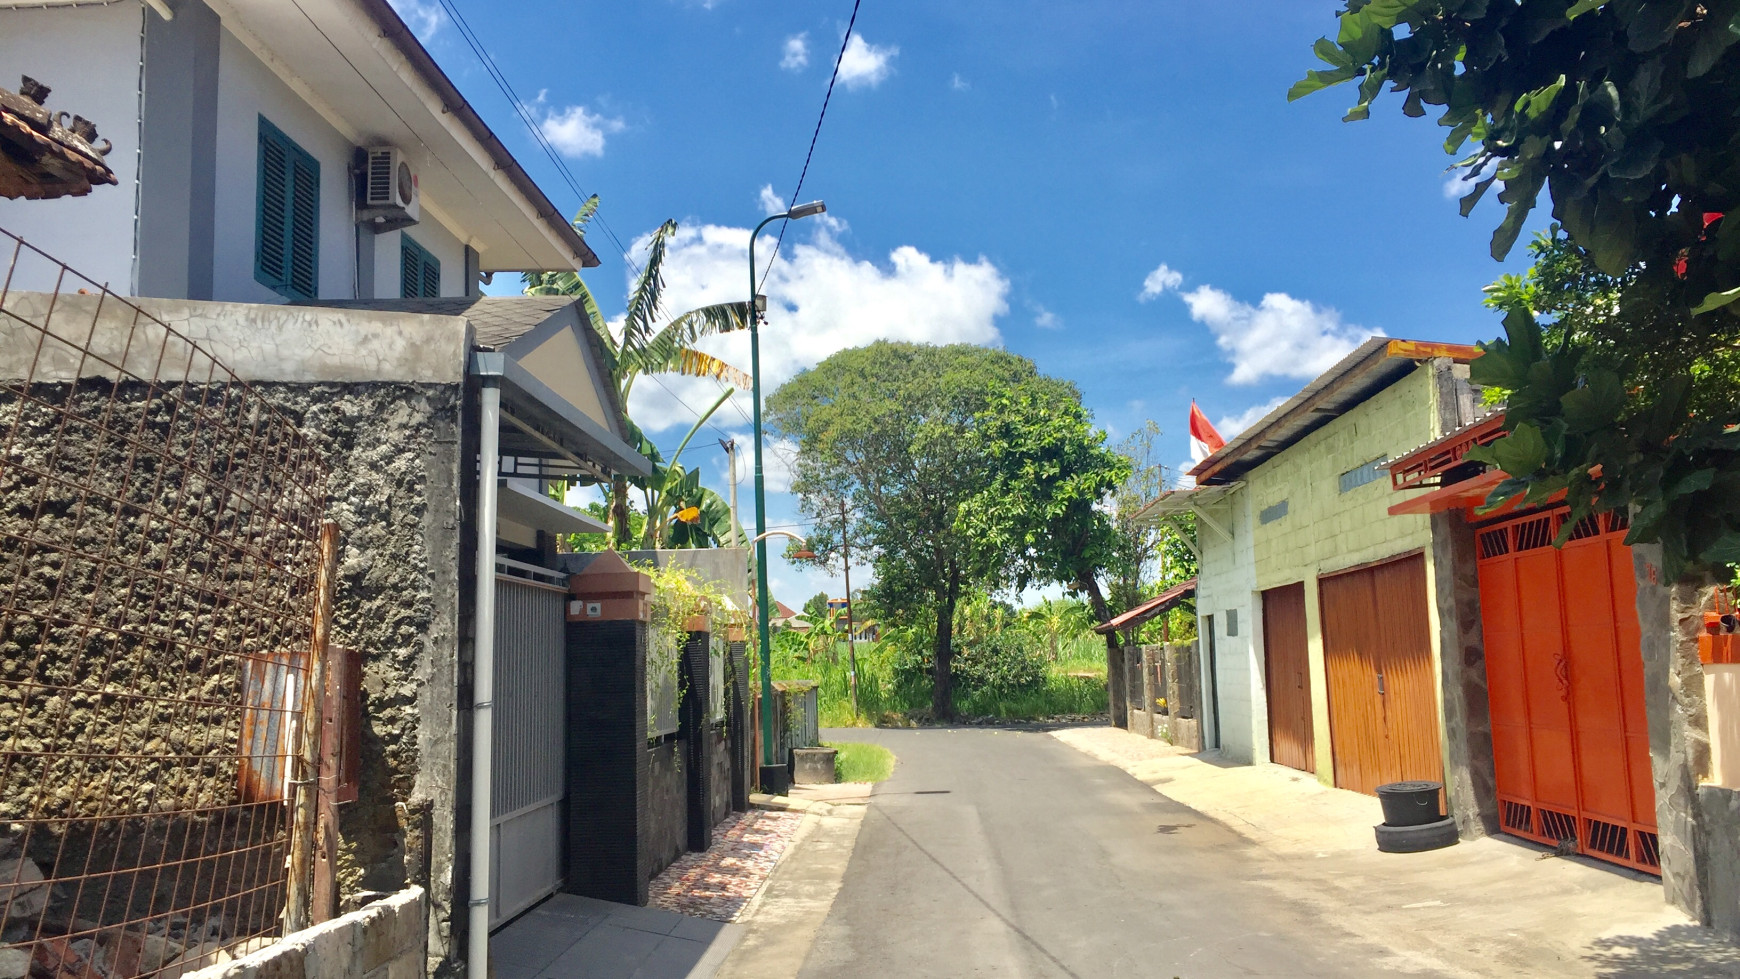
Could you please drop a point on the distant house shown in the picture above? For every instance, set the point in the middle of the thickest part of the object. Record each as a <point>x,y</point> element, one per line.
<point>785,618</point>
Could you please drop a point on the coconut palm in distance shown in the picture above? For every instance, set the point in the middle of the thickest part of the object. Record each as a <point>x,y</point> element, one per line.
<point>644,346</point>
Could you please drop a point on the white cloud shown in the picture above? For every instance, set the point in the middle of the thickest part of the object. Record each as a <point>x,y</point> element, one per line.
<point>771,203</point>
<point>578,131</point>
<point>863,63</point>
<point>423,17</point>
<point>1231,425</point>
<point>821,300</point>
<point>958,83</point>
<point>796,52</point>
<point>1044,318</point>
<point>1457,184</point>
<point>1158,281</point>
<point>1281,337</point>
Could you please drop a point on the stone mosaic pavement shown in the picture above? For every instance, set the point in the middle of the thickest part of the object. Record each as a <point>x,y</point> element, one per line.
<point>720,883</point>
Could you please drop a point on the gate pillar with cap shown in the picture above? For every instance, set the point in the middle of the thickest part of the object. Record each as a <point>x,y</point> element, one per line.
<point>609,608</point>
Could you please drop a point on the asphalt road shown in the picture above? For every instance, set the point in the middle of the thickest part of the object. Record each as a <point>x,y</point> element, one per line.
<point>1007,853</point>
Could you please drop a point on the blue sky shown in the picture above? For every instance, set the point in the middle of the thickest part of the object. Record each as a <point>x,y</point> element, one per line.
<point>1118,190</point>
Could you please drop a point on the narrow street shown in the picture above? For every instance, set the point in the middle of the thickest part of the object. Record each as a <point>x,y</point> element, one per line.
<point>1006,853</point>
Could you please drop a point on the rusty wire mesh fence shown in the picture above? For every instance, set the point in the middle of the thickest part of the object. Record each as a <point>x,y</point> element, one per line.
<point>158,555</point>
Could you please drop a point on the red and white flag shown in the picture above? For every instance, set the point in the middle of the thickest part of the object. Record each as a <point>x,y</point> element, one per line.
<point>1204,440</point>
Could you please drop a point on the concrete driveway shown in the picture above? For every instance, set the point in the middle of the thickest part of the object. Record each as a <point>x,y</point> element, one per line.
<point>1006,853</point>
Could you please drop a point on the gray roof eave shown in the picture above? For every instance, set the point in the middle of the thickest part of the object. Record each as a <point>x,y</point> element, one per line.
<point>533,401</point>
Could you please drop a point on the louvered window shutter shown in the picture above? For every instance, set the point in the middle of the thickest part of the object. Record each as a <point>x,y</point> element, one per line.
<point>287,242</point>
<point>419,271</point>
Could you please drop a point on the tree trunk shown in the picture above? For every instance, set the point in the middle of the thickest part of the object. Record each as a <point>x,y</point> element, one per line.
<point>619,525</point>
<point>942,693</point>
<point>1117,700</point>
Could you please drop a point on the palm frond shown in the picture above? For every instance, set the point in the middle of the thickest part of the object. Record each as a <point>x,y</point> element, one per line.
<point>584,216</point>
<point>664,351</point>
<point>644,303</point>
<point>695,363</point>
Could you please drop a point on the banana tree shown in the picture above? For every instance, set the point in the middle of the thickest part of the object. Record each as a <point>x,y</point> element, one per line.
<point>680,512</point>
<point>643,346</point>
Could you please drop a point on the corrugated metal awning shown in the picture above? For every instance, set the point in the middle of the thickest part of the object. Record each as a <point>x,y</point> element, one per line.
<point>1159,605</point>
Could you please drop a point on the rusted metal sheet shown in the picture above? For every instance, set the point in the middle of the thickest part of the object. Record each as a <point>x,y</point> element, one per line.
<point>271,695</point>
<point>1288,676</point>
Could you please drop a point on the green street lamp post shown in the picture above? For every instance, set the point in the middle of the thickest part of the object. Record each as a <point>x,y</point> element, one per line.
<point>772,776</point>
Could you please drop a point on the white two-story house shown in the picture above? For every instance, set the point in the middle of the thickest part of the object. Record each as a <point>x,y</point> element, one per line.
<point>271,151</point>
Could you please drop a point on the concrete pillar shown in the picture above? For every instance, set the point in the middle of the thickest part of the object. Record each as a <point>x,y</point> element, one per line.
<point>695,730</point>
<point>607,770</point>
<point>1117,700</point>
<point>1470,783</point>
<point>738,722</point>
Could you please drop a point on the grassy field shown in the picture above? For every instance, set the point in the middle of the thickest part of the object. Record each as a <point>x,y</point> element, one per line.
<point>1075,684</point>
<point>861,762</point>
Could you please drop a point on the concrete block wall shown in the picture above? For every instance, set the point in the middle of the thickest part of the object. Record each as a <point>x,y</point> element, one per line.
<point>1227,584</point>
<point>1325,530</point>
<point>385,940</point>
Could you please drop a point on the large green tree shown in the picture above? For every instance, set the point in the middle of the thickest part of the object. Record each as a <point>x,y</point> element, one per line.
<point>649,343</point>
<point>953,488</point>
<point>1625,112</point>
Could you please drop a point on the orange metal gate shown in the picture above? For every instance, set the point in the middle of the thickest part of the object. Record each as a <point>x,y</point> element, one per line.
<point>1565,682</point>
<point>1288,676</point>
<point>1377,655</point>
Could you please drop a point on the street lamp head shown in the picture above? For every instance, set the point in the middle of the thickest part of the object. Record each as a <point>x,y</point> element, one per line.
<point>807,210</point>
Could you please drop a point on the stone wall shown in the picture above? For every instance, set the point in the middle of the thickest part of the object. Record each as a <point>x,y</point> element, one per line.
<point>719,806</point>
<point>393,453</point>
<point>666,819</point>
<point>384,940</point>
<point>1691,823</point>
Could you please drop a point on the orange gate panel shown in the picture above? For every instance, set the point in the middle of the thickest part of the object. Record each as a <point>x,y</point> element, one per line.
<point>1565,686</point>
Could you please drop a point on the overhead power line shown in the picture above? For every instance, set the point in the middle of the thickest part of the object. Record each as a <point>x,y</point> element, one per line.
<point>805,172</point>
<point>525,115</point>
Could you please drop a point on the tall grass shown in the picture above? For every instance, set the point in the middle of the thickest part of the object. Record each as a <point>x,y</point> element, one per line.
<point>884,700</point>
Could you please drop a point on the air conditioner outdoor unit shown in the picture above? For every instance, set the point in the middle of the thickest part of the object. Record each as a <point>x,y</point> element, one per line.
<point>389,191</point>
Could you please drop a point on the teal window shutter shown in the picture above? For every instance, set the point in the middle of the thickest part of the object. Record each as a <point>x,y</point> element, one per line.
<point>287,220</point>
<point>419,271</point>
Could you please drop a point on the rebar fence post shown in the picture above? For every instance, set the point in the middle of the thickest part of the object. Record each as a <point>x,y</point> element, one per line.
<point>306,850</point>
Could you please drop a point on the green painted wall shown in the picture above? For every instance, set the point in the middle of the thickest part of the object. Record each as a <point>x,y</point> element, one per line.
<point>1325,530</point>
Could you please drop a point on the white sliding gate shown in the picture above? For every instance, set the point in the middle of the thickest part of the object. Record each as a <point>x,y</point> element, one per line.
<point>527,790</point>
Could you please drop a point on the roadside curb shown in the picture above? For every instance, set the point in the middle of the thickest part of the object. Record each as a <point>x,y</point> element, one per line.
<point>785,803</point>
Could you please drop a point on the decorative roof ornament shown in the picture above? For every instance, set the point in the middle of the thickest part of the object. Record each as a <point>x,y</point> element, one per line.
<point>43,154</point>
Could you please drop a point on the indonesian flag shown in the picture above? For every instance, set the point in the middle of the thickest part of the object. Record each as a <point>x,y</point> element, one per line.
<point>1204,440</point>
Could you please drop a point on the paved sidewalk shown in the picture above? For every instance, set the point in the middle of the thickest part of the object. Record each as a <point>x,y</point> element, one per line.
<point>719,883</point>
<point>1483,907</point>
<point>570,937</point>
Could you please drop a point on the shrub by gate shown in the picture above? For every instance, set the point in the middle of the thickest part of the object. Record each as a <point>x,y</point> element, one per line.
<point>161,534</point>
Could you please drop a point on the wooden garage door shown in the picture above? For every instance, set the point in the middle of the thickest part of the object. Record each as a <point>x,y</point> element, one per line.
<point>1287,675</point>
<point>1565,683</point>
<point>1377,652</point>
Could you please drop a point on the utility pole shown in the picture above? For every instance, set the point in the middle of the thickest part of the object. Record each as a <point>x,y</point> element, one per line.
<point>730,447</point>
<point>851,643</point>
